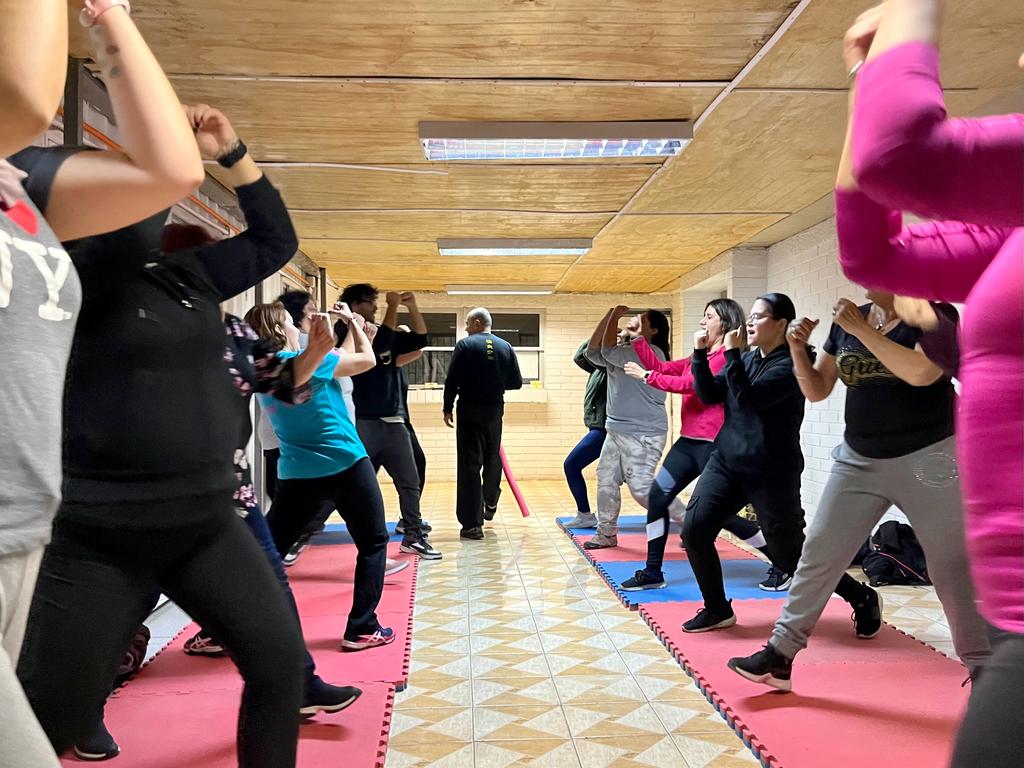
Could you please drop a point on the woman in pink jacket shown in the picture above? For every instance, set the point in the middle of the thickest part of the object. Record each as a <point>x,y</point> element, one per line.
<point>904,153</point>
<point>686,460</point>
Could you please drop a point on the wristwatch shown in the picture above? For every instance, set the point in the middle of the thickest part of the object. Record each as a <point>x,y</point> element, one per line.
<point>647,375</point>
<point>229,159</point>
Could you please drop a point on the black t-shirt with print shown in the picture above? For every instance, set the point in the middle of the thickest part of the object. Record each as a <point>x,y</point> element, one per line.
<point>885,416</point>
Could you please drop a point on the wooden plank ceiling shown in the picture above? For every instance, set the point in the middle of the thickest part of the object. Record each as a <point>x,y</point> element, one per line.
<point>327,82</point>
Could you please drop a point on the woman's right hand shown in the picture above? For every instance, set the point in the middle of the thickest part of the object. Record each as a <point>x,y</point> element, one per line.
<point>858,38</point>
<point>634,370</point>
<point>321,335</point>
<point>700,339</point>
<point>800,331</point>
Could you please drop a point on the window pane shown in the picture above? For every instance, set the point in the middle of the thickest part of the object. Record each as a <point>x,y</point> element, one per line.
<point>529,364</point>
<point>441,326</point>
<point>518,330</point>
<point>431,368</point>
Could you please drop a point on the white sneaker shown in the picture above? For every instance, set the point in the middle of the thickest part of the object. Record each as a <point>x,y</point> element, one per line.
<point>391,567</point>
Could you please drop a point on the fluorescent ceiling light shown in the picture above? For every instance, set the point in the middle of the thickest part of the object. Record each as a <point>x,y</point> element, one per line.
<point>500,290</point>
<point>553,141</point>
<point>513,247</point>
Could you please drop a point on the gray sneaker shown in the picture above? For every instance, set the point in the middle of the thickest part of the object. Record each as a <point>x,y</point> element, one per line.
<point>600,541</point>
<point>582,520</point>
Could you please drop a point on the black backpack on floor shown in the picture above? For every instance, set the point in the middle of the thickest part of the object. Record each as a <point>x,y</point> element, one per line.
<point>896,557</point>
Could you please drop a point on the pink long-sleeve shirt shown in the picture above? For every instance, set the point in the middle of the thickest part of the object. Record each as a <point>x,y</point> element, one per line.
<point>908,155</point>
<point>698,421</point>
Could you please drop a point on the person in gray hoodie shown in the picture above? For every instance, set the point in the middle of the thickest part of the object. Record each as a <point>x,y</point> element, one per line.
<point>636,424</point>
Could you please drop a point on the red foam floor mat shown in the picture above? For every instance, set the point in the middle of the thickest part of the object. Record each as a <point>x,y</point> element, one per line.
<point>889,701</point>
<point>197,730</point>
<point>182,710</point>
<point>633,547</point>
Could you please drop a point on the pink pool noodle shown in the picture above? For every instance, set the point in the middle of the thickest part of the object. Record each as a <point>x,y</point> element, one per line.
<point>511,480</point>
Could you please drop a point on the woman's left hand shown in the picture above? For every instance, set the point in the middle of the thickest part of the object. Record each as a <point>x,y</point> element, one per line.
<point>734,339</point>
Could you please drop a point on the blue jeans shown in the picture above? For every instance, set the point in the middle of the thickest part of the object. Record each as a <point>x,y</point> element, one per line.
<point>258,525</point>
<point>582,456</point>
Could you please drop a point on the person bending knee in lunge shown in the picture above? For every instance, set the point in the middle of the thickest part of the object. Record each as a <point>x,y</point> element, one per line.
<point>637,424</point>
<point>898,450</point>
<point>689,454</point>
<point>757,459</point>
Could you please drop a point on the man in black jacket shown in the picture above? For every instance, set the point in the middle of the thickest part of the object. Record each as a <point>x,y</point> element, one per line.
<point>380,410</point>
<point>482,368</point>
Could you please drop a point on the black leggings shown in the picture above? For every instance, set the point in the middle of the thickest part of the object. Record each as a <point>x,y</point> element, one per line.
<point>356,495</point>
<point>92,593</point>
<point>992,733</point>
<point>683,464</point>
<point>719,495</point>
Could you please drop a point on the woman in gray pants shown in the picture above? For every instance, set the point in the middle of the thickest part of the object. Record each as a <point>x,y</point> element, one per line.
<point>898,450</point>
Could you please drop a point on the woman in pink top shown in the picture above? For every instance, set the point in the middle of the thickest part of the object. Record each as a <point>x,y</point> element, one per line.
<point>904,153</point>
<point>689,454</point>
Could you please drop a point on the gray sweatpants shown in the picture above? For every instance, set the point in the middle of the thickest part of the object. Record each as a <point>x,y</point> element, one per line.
<point>633,460</point>
<point>23,741</point>
<point>926,487</point>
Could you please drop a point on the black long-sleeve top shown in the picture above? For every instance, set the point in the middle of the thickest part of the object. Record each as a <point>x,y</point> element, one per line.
<point>483,367</point>
<point>764,409</point>
<point>149,410</point>
<point>377,392</point>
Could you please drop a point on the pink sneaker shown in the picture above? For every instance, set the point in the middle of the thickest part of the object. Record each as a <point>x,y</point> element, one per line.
<point>383,636</point>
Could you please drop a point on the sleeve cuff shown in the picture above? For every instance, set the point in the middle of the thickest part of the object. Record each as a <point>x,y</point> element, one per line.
<point>733,355</point>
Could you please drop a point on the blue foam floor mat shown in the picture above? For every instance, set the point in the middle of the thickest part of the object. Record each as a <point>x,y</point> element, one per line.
<point>337,533</point>
<point>741,580</point>
<point>627,524</point>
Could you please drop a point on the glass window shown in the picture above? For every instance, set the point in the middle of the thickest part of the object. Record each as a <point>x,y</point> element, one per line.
<point>432,367</point>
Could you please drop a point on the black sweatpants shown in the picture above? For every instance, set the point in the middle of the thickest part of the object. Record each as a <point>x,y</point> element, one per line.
<point>92,595</point>
<point>418,455</point>
<point>992,732</point>
<point>684,463</point>
<point>388,445</point>
<point>356,496</point>
<point>719,495</point>
<point>478,441</point>
<point>270,458</point>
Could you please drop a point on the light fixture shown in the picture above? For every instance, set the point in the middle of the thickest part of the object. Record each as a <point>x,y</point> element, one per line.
<point>553,141</point>
<point>513,247</point>
<point>500,290</point>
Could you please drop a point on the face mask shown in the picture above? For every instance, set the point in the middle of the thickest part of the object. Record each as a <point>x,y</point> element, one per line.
<point>303,340</point>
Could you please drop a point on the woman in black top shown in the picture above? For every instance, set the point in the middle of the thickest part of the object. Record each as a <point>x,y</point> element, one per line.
<point>757,457</point>
<point>898,450</point>
<point>150,428</point>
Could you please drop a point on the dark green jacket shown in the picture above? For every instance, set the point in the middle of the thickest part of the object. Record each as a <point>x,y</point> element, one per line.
<point>595,402</point>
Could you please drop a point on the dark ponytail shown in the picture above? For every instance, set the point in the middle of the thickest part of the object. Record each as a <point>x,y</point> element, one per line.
<point>659,323</point>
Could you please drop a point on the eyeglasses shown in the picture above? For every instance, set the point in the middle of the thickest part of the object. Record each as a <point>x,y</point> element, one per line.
<point>754,317</point>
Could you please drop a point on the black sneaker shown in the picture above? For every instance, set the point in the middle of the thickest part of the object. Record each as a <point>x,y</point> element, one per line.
<point>477,533</point>
<point>424,526</point>
<point>99,745</point>
<point>642,579</point>
<point>706,620</point>
<point>767,666</point>
<point>296,549</point>
<point>418,545</point>
<point>489,511</point>
<point>867,615</point>
<point>323,697</point>
<point>202,645</point>
<point>776,581</point>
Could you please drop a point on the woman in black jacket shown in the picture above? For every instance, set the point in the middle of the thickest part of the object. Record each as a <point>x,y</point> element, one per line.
<point>150,429</point>
<point>757,457</point>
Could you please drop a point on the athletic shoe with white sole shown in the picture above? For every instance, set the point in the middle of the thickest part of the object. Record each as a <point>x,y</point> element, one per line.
<point>324,697</point>
<point>867,615</point>
<point>201,645</point>
<point>418,545</point>
<point>776,581</point>
<point>383,636</point>
<point>391,567</point>
<point>601,541</point>
<point>100,745</point>
<point>767,666</point>
<point>582,520</point>
<point>642,579</point>
<point>293,554</point>
<point>706,621</point>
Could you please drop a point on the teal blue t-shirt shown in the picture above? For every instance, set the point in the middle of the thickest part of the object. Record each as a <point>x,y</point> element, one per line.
<point>318,439</point>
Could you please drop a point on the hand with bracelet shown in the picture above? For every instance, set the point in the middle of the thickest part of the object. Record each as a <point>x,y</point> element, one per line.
<point>636,371</point>
<point>217,140</point>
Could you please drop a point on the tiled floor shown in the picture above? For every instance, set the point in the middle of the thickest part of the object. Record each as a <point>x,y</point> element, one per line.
<point>523,656</point>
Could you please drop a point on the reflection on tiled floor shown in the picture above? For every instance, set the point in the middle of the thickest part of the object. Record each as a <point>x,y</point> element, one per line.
<point>523,656</point>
